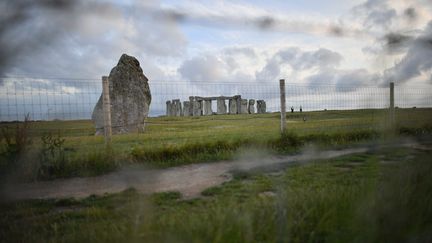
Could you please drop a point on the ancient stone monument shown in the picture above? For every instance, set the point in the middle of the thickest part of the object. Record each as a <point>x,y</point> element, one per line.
<point>221,107</point>
<point>168,108</point>
<point>186,108</point>
<point>261,106</point>
<point>177,108</point>
<point>130,98</point>
<point>232,103</point>
<point>208,108</point>
<point>244,106</point>
<point>251,106</point>
<point>198,106</point>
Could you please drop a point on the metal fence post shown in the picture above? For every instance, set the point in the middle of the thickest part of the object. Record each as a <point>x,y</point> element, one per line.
<point>283,105</point>
<point>106,103</point>
<point>392,108</point>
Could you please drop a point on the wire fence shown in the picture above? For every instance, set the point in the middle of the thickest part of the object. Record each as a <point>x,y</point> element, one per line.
<point>72,101</point>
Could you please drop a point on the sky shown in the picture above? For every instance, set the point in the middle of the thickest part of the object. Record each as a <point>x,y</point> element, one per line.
<point>348,44</point>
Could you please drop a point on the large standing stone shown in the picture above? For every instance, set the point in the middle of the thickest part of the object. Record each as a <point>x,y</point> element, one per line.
<point>244,106</point>
<point>261,106</point>
<point>251,107</point>
<point>191,101</point>
<point>168,108</point>
<point>221,106</point>
<point>208,108</point>
<point>197,108</point>
<point>232,106</point>
<point>186,108</point>
<point>173,109</point>
<point>130,98</point>
<point>238,99</point>
<point>177,111</point>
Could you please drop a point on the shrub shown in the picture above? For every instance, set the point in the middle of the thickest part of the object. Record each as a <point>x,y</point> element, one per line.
<point>16,144</point>
<point>188,153</point>
<point>54,162</point>
<point>425,130</point>
<point>288,141</point>
<point>52,155</point>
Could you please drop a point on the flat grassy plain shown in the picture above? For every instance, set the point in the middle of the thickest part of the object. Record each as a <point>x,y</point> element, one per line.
<point>380,196</point>
<point>171,141</point>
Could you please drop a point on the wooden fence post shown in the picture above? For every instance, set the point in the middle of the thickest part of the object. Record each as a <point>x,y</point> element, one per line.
<point>392,107</point>
<point>106,103</point>
<point>283,105</point>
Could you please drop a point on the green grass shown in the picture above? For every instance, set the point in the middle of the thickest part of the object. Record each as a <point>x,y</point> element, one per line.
<point>382,196</point>
<point>170,141</point>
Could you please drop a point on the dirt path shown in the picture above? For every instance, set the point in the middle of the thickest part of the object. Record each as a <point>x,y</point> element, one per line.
<point>190,180</point>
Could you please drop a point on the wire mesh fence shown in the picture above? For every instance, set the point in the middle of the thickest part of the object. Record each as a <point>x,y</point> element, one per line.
<point>66,105</point>
<point>48,99</point>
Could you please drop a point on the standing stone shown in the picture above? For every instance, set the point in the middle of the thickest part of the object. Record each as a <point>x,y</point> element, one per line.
<point>197,108</point>
<point>130,98</point>
<point>173,109</point>
<point>251,107</point>
<point>238,99</point>
<point>177,107</point>
<point>186,108</point>
<point>244,106</point>
<point>232,106</point>
<point>261,106</point>
<point>168,108</point>
<point>221,106</point>
<point>191,101</point>
<point>208,108</point>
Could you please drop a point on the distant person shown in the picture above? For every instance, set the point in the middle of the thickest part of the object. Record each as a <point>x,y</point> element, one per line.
<point>304,119</point>
<point>292,109</point>
<point>301,109</point>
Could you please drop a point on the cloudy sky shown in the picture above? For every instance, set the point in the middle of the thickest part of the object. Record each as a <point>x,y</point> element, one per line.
<point>346,43</point>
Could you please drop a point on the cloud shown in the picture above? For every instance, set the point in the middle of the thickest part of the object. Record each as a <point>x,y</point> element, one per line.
<point>203,68</point>
<point>416,61</point>
<point>298,60</point>
<point>402,35</point>
<point>395,43</point>
<point>245,51</point>
<point>323,80</point>
<point>228,64</point>
<point>311,69</point>
<point>57,38</point>
<point>341,80</point>
<point>411,13</point>
<point>27,26</point>
<point>351,80</point>
<point>376,14</point>
<point>219,14</point>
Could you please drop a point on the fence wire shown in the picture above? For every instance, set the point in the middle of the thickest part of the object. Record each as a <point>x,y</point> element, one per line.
<point>67,105</point>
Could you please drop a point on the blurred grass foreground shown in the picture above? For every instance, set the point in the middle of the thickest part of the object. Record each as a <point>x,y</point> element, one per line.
<point>380,196</point>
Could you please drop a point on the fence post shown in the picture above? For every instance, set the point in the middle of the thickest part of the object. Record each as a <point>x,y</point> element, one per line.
<point>392,108</point>
<point>106,103</point>
<point>283,105</point>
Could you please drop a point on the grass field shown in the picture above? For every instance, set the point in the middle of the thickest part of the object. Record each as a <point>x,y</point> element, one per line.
<point>380,196</point>
<point>170,141</point>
